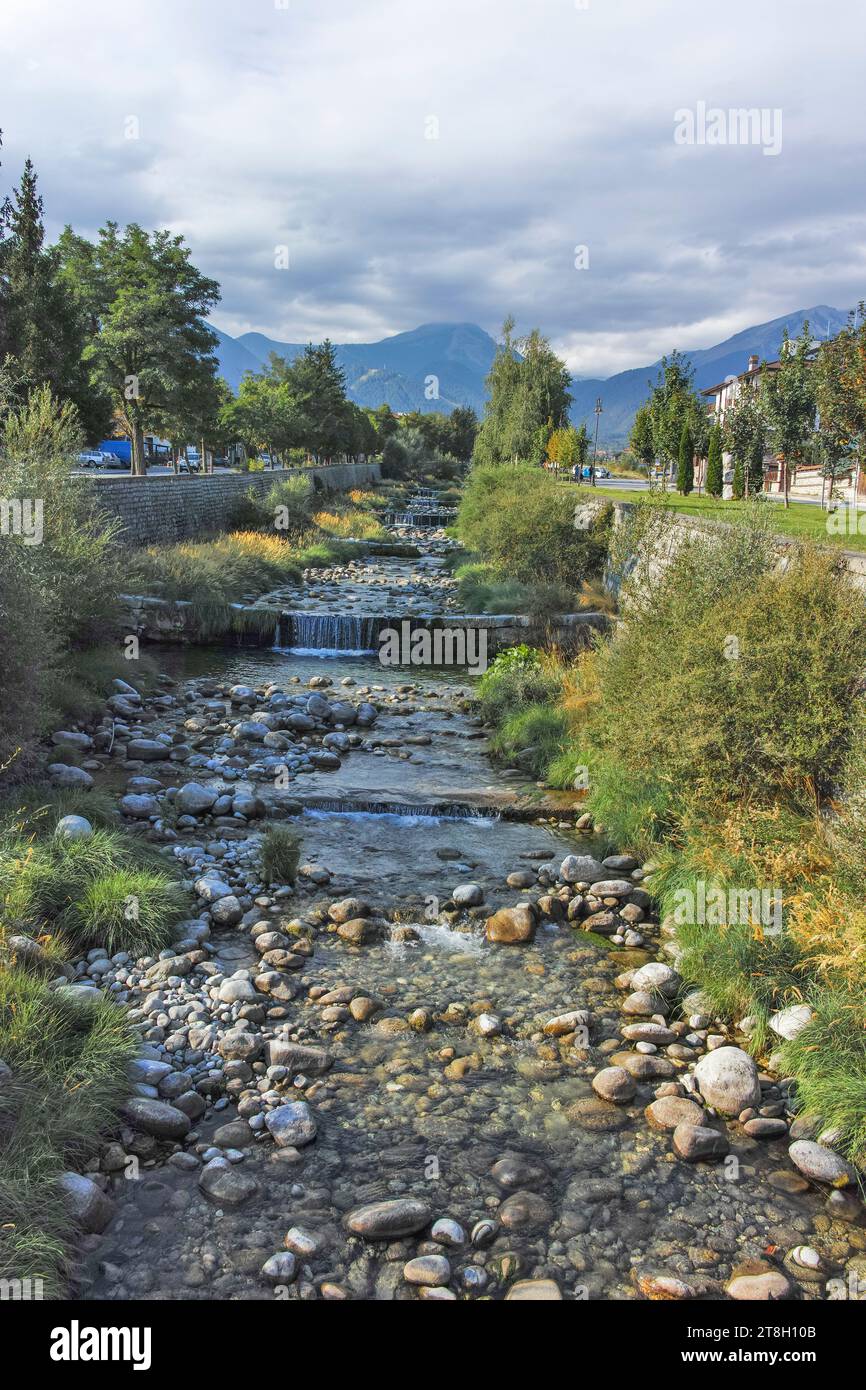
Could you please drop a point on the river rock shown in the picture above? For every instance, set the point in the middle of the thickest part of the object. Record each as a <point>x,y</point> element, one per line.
<point>64,775</point>
<point>581,868</point>
<point>468,895</point>
<point>511,926</point>
<point>73,828</point>
<point>298,1057</point>
<point>561,1024</point>
<point>525,1211</point>
<point>614,1084</point>
<point>670,1111</point>
<point>728,1080</point>
<point>280,1268</point>
<point>762,1127</point>
<point>696,1142</point>
<point>612,888</point>
<point>534,1291</point>
<point>226,911</point>
<point>768,1287</point>
<point>515,1170</point>
<point>212,888</point>
<point>292,1124</point>
<point>657,978</point>
<point>226,1184</point>
<point>87,1204</point>
<point>431,1270</point>
<point>146,750</point>
<point>156,1117</point>
<point>389,1220</point>
<point>641,1001</point>
<point>139,807</point>
<point>347,909</point>
<point>787,1023</point>
<point>821,1164</point>
<point>655,1033</point>
<point>194,800</point>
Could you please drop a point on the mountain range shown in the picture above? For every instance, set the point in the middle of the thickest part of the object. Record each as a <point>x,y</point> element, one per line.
<point>399,369</point>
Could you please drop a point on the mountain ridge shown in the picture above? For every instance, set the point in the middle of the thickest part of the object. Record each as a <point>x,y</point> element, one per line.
<point>437,366</point>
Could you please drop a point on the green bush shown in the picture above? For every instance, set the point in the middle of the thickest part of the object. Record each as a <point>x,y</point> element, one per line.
<point>519,519</point>
<point>515,678</point>
<point>731,677</point>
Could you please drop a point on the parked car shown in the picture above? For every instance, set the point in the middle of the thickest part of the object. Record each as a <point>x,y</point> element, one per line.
<point>585,473</point>
<point>189,464</point>
<point>99,458</point>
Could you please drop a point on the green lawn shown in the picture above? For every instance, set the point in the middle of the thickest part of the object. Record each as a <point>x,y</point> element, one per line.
<point>798,520</point>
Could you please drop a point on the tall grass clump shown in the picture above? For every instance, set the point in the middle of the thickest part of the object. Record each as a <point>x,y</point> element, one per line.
<point>66,1080</point>
<point>59,596</point>
<point>280,854</point>
<point>103,890</point>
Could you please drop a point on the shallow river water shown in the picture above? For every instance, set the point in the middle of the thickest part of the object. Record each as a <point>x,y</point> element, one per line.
<point>588,1192</point>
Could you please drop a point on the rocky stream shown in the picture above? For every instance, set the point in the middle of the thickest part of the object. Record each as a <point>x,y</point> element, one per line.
<point>454,1059</point>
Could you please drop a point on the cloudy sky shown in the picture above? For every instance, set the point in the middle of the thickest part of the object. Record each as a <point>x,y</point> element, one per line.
<point>447,159</point>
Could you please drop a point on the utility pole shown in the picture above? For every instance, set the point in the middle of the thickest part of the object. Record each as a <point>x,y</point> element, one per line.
<point>598,410</point>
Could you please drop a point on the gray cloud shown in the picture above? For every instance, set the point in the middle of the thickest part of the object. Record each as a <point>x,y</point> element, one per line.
<point>305,125</point>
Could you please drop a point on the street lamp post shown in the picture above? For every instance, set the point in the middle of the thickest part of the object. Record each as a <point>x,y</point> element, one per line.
<point>598,410</point>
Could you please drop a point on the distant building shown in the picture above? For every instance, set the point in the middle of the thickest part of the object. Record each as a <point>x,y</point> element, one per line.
<point>806,482</point>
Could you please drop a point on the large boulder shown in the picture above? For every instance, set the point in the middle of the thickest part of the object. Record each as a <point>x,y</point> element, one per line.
<point>581,868</point>
<point>194,800</point>
<point>728,1080</point>
<point>511,926</point>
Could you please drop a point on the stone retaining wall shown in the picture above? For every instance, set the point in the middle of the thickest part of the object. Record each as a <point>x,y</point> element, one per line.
<point>681,527</point>
<point>176,508</point>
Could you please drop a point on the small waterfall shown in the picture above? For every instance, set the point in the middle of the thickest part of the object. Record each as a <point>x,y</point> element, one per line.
<point>326,634</point>
<point>406,811</point>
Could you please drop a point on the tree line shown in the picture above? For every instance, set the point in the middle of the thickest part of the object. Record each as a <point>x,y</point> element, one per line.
<point>116,328</point>
<point>809,408</point>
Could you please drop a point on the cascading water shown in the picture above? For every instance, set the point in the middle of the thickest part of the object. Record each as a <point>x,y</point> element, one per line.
<point>329,634</point>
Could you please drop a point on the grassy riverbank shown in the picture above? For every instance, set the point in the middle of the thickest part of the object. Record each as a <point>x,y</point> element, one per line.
<point>64,1059</point>
<point>721,732</point>
<point>799,520</point>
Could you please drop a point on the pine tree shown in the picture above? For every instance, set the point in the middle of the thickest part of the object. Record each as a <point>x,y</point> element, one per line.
<point>685,463</point>
<point>43,329</point>
<point>715,467</point>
